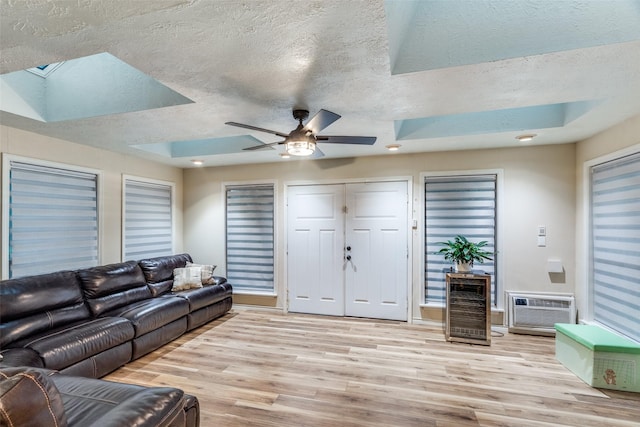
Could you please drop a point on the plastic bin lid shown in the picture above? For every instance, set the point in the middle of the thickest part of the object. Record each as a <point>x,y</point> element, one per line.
<point>598,339</point>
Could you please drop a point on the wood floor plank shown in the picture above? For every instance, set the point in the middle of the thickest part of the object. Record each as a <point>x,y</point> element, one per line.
<point>255,367</point>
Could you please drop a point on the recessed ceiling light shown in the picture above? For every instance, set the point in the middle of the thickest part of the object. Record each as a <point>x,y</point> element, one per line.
<point>393,147</point>
<point>285,155</point>
<point>526,138</point>
<point>197,162</point>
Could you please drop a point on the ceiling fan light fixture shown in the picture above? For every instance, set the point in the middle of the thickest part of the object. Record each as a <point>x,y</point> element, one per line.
<point>301,148</point>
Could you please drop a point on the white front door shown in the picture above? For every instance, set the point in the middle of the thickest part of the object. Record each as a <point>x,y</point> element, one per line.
<point>315,249</point>
<point>376,243</point>
<point>354,264</point>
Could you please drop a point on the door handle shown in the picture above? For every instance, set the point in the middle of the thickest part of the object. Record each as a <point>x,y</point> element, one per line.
<point>348,248</point>
<point>348,257</point>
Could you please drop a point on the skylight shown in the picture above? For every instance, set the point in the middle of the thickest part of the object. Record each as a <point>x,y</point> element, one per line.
<point>44,70</point>
<point>80,88</point>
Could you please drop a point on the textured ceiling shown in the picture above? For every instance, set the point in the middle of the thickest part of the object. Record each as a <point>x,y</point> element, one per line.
<point>429,75</point>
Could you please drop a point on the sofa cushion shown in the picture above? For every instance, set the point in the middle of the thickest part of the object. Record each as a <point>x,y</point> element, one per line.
<point>156,338</point>
<point>33,304</point>
<point>18,329</point>
<point>29,397</point>
<point>206,295</point>
<point>114,285</point>
<point>207,313</point>
<point>64,346</point>
<point>92,402</point>
<point>206,272</point>
<point>103,363</point>
<point>20,357</point>
<point>158,271</point>
<point>152,314</point>
<point>186,278</point>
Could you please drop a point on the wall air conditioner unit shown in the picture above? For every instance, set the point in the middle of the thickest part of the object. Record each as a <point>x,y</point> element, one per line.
<point>535,314</point>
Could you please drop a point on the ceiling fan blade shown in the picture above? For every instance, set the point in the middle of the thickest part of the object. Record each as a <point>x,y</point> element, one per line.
<point>258,147</point>
<point>241,125</point>
<point>362,140</point>
<point>316,154</point>
<point>321,120</point>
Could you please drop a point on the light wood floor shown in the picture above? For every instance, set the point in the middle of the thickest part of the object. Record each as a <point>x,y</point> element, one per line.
<point>263,368</point>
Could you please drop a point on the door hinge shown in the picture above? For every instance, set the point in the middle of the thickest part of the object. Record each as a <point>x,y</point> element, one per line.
<point>345,209</point>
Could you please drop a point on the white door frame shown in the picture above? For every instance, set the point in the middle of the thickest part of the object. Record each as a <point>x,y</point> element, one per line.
<point>410,229</point>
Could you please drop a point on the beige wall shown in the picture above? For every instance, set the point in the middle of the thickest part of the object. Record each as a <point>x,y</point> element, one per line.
<point>624,139</point>
<point>543,185</point>
<point>539,189</point>
<point>111,165</point>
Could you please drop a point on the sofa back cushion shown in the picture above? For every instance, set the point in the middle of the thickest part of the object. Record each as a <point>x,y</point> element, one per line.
<point>29,305</point>
<point>158,272</point>
<point>29,397</point>
<point>108,287</point>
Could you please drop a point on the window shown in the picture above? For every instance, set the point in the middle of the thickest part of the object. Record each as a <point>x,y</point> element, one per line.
<point>455,205</point>
<point>46,69</point>
<point>51,220</point>
<point>615,244</point>
<point>250,238</point>
<point>148,219</point>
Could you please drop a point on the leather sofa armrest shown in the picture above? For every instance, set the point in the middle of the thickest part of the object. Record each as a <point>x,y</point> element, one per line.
<point>218,280</point>
<point>154,407</point>
<point>94,402</point>
<point>192,411</point>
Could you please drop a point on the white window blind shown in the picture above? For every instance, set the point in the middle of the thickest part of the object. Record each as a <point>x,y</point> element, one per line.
<point>455,205</point>
<point>148,222</point>
<point>250,239</point>
<point>615,235</point>
<point>53,219</point>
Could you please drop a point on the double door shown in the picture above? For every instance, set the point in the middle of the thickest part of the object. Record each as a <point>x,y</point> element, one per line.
<point>347,249</point>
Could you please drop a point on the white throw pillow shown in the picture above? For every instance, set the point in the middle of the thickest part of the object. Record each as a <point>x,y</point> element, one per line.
<point>186,278</point>
<point>206,272</point>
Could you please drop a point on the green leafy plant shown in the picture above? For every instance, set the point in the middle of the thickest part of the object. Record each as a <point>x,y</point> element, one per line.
<point>461,250</point>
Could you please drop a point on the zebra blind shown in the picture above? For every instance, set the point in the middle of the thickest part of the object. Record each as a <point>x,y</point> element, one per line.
<point>53,219</point>
<point>250,238</point>
<point>148,220</point>
<point>455,205</point>
<point>615,243</point>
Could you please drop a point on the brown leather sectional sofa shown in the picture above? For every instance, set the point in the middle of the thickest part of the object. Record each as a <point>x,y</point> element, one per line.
<point>89,322</point>
<point>43,398</point>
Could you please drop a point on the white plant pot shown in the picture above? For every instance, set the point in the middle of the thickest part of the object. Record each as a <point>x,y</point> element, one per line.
<point>463,267</point>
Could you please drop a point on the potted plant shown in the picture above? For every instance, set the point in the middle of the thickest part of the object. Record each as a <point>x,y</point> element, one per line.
<point>464,253</point>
